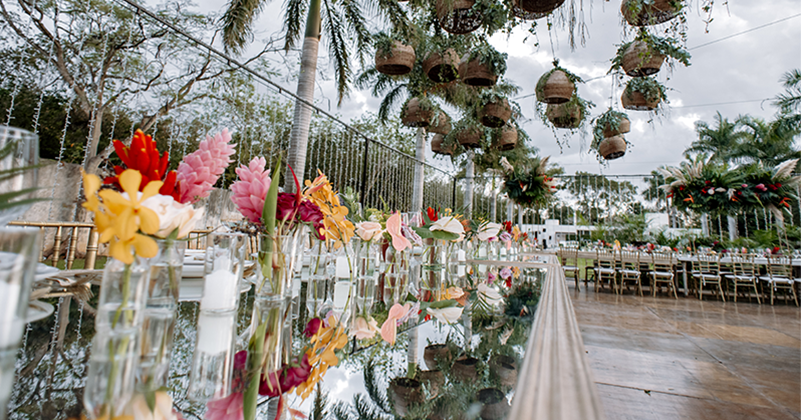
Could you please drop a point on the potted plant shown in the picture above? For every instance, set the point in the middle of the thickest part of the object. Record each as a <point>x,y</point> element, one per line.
<point>493,108</point>
<point>611,123</point>
<point>571,114</point>
<point>465,16</point>
<point>610,148</point>
<point>505,138</point>
<point>442,60</point>
<point>482,66</point>
<point>418,111</point>
<point>494,405</point>
<point>392,56</point>
<point>528,185</point>
<point>439,147</point>
<point>649,12</point>
<point>645,54</point>
<point>643,94</point>
<point>467,132</point>
<point>556,86</point>
<point>539,6</point>
<point>405,392</point>
<point>440,123</point>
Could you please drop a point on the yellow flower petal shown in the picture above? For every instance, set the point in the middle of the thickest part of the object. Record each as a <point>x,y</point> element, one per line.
<point>119,250</point>
<point>129,181</point>
<point>126,224</point>
<point>91,183</point>
<point>151,189</point>
<point>148,220</point>
<point>145,246</point>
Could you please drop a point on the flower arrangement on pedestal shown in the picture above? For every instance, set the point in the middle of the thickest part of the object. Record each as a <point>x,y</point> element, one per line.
<point>529,185</point>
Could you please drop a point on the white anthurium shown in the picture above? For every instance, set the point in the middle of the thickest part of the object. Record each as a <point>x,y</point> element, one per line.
<point>368,231</point>
<point>489,295</point>
<point>173,215</point>
<point>446,315</point>
<point>449,224</point>
<point>489,230</point>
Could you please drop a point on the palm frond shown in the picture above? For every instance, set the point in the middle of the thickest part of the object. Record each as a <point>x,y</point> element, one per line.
<point>357,28</point>
<point>335,31</point>
<point>785,169</point>
<point>373,390</point>
<point>389,102</point>
<point>238,23</point>
<point>293,19</point>
<point>341,411</point>
<point>392,12</point>
<point>319,404</point>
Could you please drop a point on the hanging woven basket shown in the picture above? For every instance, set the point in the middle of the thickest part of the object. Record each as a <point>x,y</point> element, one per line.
<point>399,61</point>
<point>558,89</point>
<point>636,101</point>
<point>474,73</point>
<point>495,114</point>
<point>470,137</point>
<point>640,61</point>
<point>564,116</point>
<point>612,148</point>
<point>440,125</point>
<point>437,145</point>
<point>540,6</point>
<point>415,116</point>
<point>640,13</point>
<point>507,140</point>
<point>442,68</point>
<point>458,17</point>
<point>623,127</point>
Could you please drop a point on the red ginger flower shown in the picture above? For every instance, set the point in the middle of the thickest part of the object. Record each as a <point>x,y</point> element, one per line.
<point>432,214</point>
<point>143,156</point>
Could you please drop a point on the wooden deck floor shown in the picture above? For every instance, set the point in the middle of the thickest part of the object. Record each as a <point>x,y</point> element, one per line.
<point>685,359</point>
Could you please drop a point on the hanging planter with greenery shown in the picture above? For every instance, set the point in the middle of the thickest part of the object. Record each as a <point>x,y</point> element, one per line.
<point>482,66</point>
<point>644,55</point>
<point>650,12</point>
<point>528,185</point>
<point>493,109</point>
<point>418,112</point>
<point>556,86</point>
<point>439,147</point>
<point>467,133</point>
<point>610,123</point>
<point>571,114</point>
<point>442,66</point>
<point>392,56</point>
<point>643,94</point>
<point>505,138</point>
<point>440,123</point>
<point>543,7</point>
<point>610,148</point>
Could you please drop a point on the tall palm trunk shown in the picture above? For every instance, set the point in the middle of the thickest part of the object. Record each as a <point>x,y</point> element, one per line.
<point>299,136</point>
<point>494,206</point>
<point>468,186</point>
<point>520,215</point>
<point>419,171</point>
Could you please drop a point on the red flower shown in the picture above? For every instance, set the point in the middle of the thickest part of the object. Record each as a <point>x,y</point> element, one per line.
<point>507,225</point>
<point>509,283</point>
<point>288,377</point>
<point>707,182</point>
<point>143,156</point>
<point>432,214</point>
<point>778,185</point>
<point>312,327</point>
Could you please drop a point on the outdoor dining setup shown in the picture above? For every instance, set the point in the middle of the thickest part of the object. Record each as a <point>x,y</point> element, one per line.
<point>762,277</point>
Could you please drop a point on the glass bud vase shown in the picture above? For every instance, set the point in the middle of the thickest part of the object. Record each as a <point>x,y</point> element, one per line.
<point>19,249</point>
<point>110,378</point>
<point>366,275</point>
<point>212,362</point>
<point>158,322</point>
<point>395,268</point>
<point>433,269</point>
<point>318,278</point>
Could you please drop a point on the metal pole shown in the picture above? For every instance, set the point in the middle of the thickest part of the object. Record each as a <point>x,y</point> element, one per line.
<point>363,192</point>
<point>453,199</point>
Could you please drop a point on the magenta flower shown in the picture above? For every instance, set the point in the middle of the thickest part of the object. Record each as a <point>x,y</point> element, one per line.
<point>200,170</point>
<point>761,187</point>
<point>286,207</point>
<point>491,277</point>
<point>287,378</point>
<point>251,189</point>
<point>227,408</point>
<point>311,213</point>
<point>506,273</point>
<point>312,327</point>
<point>505,236</point>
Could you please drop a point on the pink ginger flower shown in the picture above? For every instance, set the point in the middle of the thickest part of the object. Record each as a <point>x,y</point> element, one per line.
<point>227,408</point>
<point>251,189</point>
<point>200,170</point>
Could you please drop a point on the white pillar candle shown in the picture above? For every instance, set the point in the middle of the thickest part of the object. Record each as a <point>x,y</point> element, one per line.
<point>343,268</point>
<point>220,290</point>
<point>10,325</point>
<point>215,332</point>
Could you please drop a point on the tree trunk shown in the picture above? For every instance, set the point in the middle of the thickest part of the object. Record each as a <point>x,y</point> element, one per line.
<point>705,224</point>
<point>510,210</point>
<point>468,186</point>
<point>299,136</point>
<point>520,215</point>
<point>419,171</point>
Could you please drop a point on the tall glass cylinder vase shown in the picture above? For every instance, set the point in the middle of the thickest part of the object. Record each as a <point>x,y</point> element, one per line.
<point>344,271</point>
<point>395,269</point>
<point>433,269</point>
<point>318,278</point>
<point>457,264</point>
<point>111,375</point>
<point>158,324</point>
<point>212,363</point>
<point>366,275</point>
<point>19,249</point>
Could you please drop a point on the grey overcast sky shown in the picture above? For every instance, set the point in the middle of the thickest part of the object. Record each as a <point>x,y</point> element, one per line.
<point>744,68</point>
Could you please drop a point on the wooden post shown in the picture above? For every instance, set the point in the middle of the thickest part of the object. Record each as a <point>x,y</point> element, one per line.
<point>57,246</point>
<point>73,245</point>
<point>91,250</point>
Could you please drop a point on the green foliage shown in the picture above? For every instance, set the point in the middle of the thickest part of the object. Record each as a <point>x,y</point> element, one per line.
<point>650,88</point>
<point>523,300</point>
<point>670,47</point>
<point>611,119</point>
<point>575,103</point>
<point>529,185</point>
<point>490,57</point>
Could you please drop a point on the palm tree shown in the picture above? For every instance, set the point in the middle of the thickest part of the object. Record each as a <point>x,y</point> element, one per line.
<point>790,101</point>
<point>768,142</point>
<point>718,141</point>
<point>344,24</point>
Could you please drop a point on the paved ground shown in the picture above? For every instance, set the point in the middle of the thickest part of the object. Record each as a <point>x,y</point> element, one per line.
<point>686,359</point>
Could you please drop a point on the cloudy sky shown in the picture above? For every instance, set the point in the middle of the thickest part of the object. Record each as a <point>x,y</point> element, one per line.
<point>745,69</point>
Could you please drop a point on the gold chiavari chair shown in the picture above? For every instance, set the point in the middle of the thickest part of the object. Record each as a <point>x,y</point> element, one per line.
<point>708,273</point>
<point>745,274</point>
<point>629,269</point>
<point>606,269</point>
<point>569,259</point>
<point>662,272</point>
<point>780,276</point>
